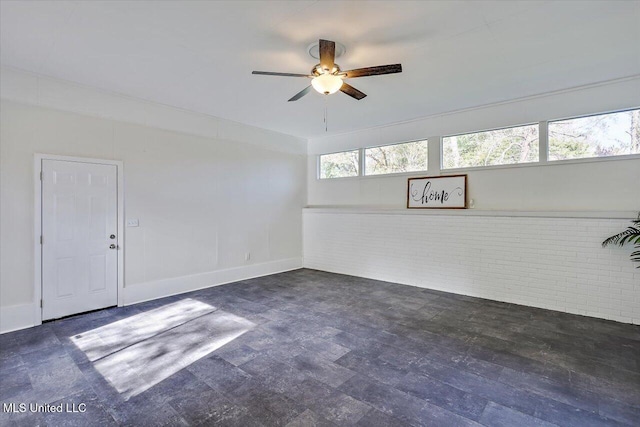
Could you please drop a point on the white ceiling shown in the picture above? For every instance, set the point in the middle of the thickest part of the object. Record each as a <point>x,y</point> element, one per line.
<point>199,55</point>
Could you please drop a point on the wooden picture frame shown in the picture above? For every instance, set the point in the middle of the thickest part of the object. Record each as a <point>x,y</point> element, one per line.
<point>437,192</point>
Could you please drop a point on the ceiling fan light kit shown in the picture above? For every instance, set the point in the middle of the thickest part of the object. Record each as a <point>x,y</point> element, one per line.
<point>327,78</point>
<point>327,83</point>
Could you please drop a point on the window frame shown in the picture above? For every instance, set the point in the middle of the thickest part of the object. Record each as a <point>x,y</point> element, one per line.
<point>535,162</point>
<point>588,159</point>
<point>319,164</point>
<point>364,158</point>
<point>543,151</point>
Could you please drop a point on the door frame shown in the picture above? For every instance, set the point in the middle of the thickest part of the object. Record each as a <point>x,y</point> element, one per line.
<point>38,158</point>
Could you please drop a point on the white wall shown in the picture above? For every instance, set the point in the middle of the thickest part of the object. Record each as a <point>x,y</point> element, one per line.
<point>593,186</point>
<point>602,185</point>
<point>549,262</point>
<point>206,191</point>
<point>533,236</point>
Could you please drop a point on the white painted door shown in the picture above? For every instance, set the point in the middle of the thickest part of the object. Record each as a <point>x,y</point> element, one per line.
<point>80,242</point>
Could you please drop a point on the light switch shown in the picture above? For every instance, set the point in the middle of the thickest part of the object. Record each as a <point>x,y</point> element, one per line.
<point>133,222</point>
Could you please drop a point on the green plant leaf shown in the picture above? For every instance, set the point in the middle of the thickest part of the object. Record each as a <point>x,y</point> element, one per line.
<point>630,235</point>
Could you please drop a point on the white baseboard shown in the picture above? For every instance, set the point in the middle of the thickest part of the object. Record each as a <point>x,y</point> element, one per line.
<point>155,289</point>
<point>15,317</point>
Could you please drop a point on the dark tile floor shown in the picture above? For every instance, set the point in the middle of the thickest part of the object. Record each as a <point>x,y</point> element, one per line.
<point>309,348</point>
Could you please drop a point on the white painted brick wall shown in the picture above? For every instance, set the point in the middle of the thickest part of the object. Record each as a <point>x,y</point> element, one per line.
<point>553,263</point>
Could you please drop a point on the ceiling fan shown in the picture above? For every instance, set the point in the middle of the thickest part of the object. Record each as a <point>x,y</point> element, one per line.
<point>328,77</point>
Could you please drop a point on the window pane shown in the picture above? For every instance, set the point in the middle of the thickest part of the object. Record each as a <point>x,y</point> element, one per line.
<point>407,157</point>
<point>339,165</point>
<point>494,147</point>
<point>595,136</point>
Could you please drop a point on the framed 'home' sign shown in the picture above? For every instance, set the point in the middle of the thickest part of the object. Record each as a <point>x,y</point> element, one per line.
<point>437,192</point>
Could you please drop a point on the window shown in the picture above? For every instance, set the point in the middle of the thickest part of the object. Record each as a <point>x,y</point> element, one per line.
<point>494,147</point>
<point>603,135</point>
<point>407,157</point>
<point>339,165</point>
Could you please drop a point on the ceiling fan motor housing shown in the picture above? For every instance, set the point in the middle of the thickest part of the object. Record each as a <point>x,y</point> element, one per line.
<point>318,70</point>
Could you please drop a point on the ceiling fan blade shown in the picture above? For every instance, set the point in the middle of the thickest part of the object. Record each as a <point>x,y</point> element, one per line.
<point>300,94</point>
<point>327,54</point>
<point>269,73</point>
<point>374,71</point>
<point>352,91</point>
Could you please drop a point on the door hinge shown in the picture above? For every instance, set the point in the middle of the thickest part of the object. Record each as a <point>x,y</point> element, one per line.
<point>41,240</point>
<point>40,303</point>
<point>41,176</point>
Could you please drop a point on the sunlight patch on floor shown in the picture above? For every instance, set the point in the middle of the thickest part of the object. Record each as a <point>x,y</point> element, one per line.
<point>138,352</point>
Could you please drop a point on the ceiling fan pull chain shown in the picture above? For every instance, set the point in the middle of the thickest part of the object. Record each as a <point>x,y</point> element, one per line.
<point>325,113</point>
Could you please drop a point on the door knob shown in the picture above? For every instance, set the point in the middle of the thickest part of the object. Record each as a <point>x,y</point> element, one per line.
<point>112,246</point>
